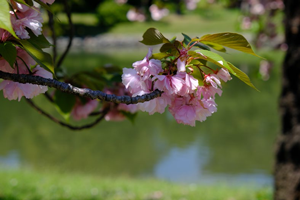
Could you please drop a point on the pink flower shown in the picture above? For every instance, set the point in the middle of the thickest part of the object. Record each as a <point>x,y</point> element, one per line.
<point>207,92</point>
<point>155,105</point>
<point>213,80</point>
<point>190,83</point>
<point>4,35</point>
<point>131,80</point>
<point>26,18</point>
<point>210,105</point>
<point>182,111</point>
<point>169,84</point>
<point>114,115</point>
<point>181,62</point>
<point>145,68</point>
<point>224,75</point>
<point>132,108</point>
<point>82,111</point>
<point>48,1</point>
<point>13,90</point>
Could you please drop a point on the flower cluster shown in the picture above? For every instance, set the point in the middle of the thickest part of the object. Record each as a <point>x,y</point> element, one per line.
<point>23,18</point>
<point>187,99</point>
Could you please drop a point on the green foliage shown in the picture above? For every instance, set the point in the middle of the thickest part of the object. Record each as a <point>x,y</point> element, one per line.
<point>242,76</point>
<point>110,13</point>
<point>216,41</point>
<point>30,185</point>
<point>231,40</point>
<point>38,41</point>
<point>42,58</point>
<point>8,52</point>
<point>188,41</point>
<point>64,102</point>
<point>5,22</point>
<point>153,37</point>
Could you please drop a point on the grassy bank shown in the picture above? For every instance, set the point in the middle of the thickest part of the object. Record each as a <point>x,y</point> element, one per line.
<point>32,185</point>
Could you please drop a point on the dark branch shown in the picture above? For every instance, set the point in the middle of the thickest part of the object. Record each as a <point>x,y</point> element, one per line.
<point>53,34</point>
<point>84,92</point>
<point>71,33</point>
<point>76,128</point>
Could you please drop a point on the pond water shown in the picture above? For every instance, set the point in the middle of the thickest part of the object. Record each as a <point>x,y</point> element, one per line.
<point>235,145</point>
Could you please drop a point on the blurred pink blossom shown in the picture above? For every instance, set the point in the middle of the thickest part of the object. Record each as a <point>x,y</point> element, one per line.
<point>158,13</point>
<point>135,15</point>
<point>82,111</point>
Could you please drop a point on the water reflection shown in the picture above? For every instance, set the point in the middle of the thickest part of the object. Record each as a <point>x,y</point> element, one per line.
<point>235,145</point>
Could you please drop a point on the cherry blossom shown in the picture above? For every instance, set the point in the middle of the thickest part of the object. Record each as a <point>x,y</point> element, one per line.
<point>26,17</point>
<point>82,111</point>
<point>224,75</point>
<point>13,90</point>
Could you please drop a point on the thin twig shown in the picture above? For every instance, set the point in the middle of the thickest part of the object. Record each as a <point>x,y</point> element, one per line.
<point>76,128</point>
<point>96,113</point>
<point>84,92</point>
<point>53,35</point>
<point>47,95</point>
<point>71,33</point>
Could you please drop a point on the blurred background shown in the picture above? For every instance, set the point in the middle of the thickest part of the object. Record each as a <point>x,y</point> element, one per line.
<point>234,146</point>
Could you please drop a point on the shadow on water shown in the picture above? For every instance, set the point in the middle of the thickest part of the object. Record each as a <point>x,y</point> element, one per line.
<point>235,144</point>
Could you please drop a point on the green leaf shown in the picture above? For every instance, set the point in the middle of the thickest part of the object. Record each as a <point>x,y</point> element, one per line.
<point>170,47</point>
<point>92,80</point>
<point>231,40</point>
<point>159,56</point>
<point>197,74</point>
<point>242,76</point>
<point>64,103</point>
<point>187,40</point>
<point>8,52</point>
<point>38,41</point>
<point>215,58</point>
<point>130,116</point>
<point>216,46</point>
<point>42,58</point>
<point>5,22</point>
<point>153,37</point>
<point>29,2</point>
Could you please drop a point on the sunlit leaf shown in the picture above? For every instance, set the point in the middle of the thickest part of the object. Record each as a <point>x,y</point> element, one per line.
<point>188,40</point>
<point>39,41</point>
<point>8,52</point>
<point>5,22</point>
<point>159,56</point>
<point>64,103</point>
<point>242,76</point>
<point>215,58</point>
<point>42,58</point>
<point>197,74</point>
<point>231,40</point>
<point>216,46</point>
<point>153,37</point>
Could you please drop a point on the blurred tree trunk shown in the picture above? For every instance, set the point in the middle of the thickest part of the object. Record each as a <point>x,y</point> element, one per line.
<point>287,166</point>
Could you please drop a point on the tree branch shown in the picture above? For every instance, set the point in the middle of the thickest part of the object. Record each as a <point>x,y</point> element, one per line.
<point>84,92</point>
<point>76,128</point>
<point>71,33</point>
<point>53,34</point>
